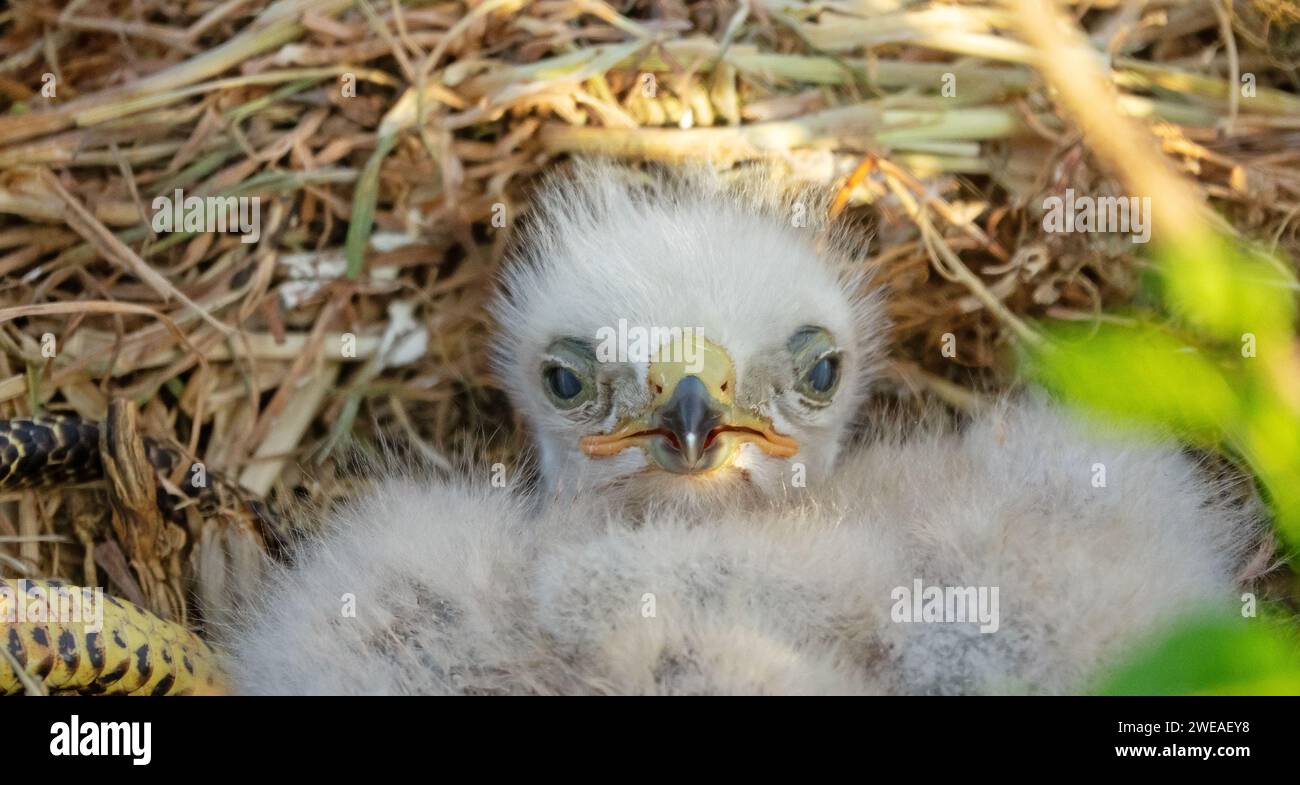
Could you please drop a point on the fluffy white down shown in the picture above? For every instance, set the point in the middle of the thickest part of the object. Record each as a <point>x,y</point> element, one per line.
<point>461,589</point>
<point>743,263</point>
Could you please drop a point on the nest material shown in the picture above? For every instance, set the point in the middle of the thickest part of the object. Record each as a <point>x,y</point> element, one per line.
<point>392,147</point>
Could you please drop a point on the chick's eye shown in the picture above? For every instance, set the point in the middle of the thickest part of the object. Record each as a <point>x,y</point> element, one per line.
<point>564,383</point>
<point>821,378</point>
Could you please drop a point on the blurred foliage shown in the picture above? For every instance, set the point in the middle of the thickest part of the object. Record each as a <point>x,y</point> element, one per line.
<point>1219,367</point>
<point>1214,656</point>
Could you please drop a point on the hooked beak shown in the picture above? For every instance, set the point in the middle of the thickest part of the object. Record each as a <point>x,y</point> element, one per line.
<point>693,425</point>
<point>689,417</point>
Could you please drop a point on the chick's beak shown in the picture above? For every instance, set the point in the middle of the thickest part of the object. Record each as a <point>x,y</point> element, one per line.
<point>689,417</point>
<point>693,424</point>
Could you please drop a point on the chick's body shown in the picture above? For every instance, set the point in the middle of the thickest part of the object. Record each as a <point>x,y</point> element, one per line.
<point>638,568</point>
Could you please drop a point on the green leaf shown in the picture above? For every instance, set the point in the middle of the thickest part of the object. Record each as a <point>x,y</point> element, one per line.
<point>363,206</point>
<point>1139,374</point>
<point>1228,293</point>
<point>1215,656</point>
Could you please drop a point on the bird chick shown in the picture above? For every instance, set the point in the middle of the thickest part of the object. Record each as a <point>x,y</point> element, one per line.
<point>683,340</point>
<point>689,357</point>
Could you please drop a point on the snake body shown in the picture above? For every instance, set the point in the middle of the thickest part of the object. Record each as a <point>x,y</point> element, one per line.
<point>60,449</point>
<point>124,649</point>
<point>106,647</point>
<point>51,450</point>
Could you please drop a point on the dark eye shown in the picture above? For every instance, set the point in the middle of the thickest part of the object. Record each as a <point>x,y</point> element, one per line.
<point>823,376</point>
<point>564,383</point>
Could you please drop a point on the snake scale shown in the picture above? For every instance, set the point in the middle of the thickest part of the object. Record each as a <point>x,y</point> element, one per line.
<point>109,645</point>
<point>111,648</point>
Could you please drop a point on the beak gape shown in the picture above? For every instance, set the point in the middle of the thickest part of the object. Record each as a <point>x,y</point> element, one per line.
<point>690,417</point>
<point>693,425</point>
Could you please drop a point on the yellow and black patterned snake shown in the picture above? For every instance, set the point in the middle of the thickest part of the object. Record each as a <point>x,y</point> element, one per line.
<point>99,645</point>
<point>56,638</point>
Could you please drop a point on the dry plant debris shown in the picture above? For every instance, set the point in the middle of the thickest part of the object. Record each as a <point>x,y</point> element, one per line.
<point>392,146</point>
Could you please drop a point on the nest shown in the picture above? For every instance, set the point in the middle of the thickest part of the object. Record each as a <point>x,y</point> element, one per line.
<point>391,148</point>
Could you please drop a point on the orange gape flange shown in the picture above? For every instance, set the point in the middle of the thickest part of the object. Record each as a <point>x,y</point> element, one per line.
<point>712,365</point>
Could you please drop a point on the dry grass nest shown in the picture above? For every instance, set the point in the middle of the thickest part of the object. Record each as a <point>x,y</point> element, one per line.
<point>392,147</point>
